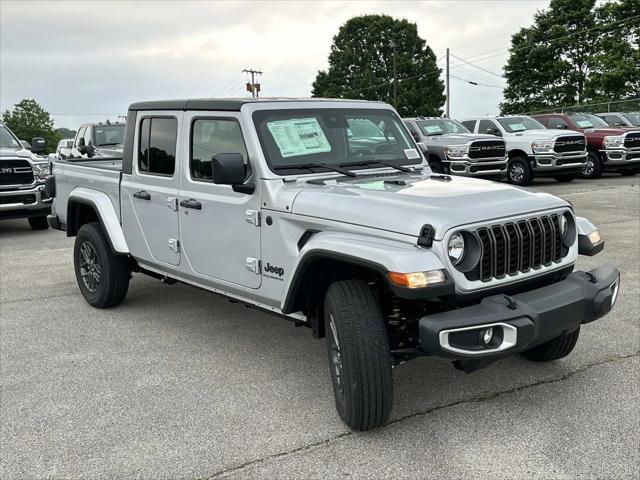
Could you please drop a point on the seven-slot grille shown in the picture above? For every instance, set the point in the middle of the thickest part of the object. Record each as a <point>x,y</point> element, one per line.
<point>518,247</point>
<point>573,143</point>
<point>15,172</point>
<point>632,140</point>
<point>487,149</point>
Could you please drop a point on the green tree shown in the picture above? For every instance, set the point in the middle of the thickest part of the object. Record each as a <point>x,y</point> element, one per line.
<point>28,119</point>
<point>361,66</point>
<point>574,53</point>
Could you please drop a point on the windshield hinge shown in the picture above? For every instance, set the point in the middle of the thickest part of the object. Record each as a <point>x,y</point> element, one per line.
<point>252,216</point>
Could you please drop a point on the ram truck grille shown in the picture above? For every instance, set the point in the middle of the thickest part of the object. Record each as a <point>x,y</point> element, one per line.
<point>16,172</point>
<point>518,247</point>
<point>487,149</point>
<point>632,140</point>
<point>570,144</point>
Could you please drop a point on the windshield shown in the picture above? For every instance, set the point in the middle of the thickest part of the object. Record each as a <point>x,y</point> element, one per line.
<point>296,137</point>
<point>585,120</point>
<point>440,127</point>
<point>633,117</point>
<point>7,140</point>
<point>109,134</point>
<point>520,124</point>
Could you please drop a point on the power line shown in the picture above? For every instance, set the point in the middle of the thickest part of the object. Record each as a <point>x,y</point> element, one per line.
<point>478,67</point>
<point>478,84</point>
<point>226,85</point>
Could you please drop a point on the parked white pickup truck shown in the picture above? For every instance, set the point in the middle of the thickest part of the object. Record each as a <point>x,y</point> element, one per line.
<point>533,150</point>
<point>282,205</point>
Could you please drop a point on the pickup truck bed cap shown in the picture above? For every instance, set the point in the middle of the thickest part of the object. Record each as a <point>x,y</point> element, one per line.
<point>224,104</point>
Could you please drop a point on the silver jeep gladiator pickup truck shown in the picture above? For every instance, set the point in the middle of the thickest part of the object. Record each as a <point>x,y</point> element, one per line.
<point>282,205</point>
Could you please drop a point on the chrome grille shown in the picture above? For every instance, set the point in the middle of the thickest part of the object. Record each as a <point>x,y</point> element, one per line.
<point>570,144</point>
<point>632,140</point>
<point>517,247</point>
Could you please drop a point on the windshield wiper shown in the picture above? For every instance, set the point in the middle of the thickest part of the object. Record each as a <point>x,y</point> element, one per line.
<point>109,144</point>
<point>366,163</point>
<point>309,166</point>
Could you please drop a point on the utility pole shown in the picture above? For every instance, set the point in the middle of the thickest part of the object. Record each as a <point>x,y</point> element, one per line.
<point>253,87</point>
<point>448,91</point>
<point>395,76</point>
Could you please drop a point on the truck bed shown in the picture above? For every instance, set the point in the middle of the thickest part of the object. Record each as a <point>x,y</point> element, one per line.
<point>96,174</point>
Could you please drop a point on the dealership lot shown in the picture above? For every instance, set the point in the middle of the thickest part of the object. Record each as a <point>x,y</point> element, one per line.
<point>177,382</point>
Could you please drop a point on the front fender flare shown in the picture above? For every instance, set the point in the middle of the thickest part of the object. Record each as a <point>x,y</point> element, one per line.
<point>378,254</point>
<point>106,212</point>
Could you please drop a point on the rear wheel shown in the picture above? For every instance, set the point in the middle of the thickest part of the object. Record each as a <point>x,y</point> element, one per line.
<point>102,276</point>
<point>554,349</point>
<point>519,172</point>
<point>359,356</point>
<point>593,168</point>
<point>38,223</point>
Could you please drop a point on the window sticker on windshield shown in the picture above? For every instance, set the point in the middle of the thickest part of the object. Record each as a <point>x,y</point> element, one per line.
<point>299,136</point>
<point>517,127</point>
<point>433,129</point>
<point>584,124</point>
<point>411,153</point>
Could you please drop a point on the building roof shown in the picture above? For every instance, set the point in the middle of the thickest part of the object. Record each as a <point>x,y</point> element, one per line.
<point>224,104</point>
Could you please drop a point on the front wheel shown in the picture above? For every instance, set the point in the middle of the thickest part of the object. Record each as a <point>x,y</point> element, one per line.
<point>359,356</point>
<point>554,349</point>
<point>593,168</point>
<point>519,172</point>
<point>38,223</point>
<point>103,277</point>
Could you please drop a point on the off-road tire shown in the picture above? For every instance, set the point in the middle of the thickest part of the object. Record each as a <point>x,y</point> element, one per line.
<point>519,171</point>
<point>554,349</point>
<point>38,223</point>
<point>593,168</point>
<point>111,289</point>
<point>363,384</point>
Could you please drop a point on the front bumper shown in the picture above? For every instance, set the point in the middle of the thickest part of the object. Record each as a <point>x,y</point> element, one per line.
<point>485,167</point>
<point>30,202</point>
<point>621,157</point>
<point>554,163</point>
<point>522,321</point>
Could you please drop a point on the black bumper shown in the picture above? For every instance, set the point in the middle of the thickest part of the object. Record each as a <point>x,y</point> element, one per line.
<point>525,320</point>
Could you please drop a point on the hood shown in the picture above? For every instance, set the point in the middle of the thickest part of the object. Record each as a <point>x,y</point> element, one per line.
<point>460,137</point>
<point>20,153</point>
<point>605,131</point>
<point>417,200</point>
<point>546,134</point>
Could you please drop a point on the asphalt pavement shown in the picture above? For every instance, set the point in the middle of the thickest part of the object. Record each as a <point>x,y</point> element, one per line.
<point>180,383</point>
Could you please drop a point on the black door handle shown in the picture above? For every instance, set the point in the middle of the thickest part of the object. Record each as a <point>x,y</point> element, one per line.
<point>142,195</point>
<point>191,203</point>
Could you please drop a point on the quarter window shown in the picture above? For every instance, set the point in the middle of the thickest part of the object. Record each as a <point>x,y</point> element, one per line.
<point>157,145</point>
<point>212,136</point>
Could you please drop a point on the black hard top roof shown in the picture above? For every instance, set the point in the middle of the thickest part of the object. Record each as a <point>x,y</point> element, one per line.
<point>224,104</point>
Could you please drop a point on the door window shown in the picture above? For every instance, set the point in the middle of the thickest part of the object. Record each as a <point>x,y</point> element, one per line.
<point>487,126</point>
<point>469,125</point>
<point>413,130</point>
<point>557,122</point>
<point>88,140</point>
<point>210,136</point>
<point>157,146</point>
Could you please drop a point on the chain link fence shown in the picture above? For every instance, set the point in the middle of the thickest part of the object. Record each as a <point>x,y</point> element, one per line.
<point>631,105</point>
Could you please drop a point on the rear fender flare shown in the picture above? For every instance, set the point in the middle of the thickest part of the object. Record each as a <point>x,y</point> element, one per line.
<point>103,206</point>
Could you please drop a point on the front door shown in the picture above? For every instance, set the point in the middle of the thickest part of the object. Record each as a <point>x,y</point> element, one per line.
<point>149,195</point>
<point>219,228</point>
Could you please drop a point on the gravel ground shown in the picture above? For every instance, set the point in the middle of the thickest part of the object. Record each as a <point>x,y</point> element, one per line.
<point>179,383</point>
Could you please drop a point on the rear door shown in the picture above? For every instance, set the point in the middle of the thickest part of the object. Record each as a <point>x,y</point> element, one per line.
<point>219,228</point>
<point>149,195</point>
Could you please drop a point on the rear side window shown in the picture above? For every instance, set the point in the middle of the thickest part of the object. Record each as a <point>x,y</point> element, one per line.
<point>157,145</point>
<point>210,136</point>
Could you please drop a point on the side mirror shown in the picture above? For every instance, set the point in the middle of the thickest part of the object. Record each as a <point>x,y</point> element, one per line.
<point>229,169</point>
<point>423,147</point>
<point>81,147</point>
<point>494,131</point>
<point>37,145</point>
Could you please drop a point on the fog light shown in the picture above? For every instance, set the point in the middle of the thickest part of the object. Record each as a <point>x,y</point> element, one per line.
<point>594,237</point>
<point>487,335</point>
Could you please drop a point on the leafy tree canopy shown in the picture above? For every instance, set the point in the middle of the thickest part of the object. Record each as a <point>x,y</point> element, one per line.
<point>575,52</point>
<point>28,119</point>
<point>361,66</point>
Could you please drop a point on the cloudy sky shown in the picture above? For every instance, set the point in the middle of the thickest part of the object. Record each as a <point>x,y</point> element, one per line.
<point>87,60</point>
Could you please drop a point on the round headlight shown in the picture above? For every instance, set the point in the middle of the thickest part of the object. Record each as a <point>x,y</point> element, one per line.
<point>456,248</point>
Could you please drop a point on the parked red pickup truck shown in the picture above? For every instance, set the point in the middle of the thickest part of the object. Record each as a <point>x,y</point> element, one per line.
<point>609,148</point>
